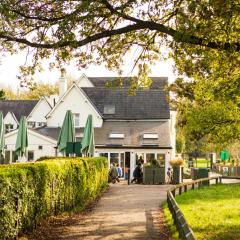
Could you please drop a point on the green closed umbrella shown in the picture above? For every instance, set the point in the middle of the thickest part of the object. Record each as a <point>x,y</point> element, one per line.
<point>67,133</point>
<point>88,138</point>
<point>22,138</point>
<point>2,132</point>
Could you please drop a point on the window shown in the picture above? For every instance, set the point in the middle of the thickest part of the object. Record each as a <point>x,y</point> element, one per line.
<point>7,157</point>
<point>114,158</point>
<point>109,109</point>
<point>8,128</point>
<point>161,159</point>
<point>30,156</point>
<point>79,137</point>
<point>40,147</point>
<point>32,124</point>
<point>41,124</point>
<point>116,135</point>
<point>103,155</point>
<point>139,157</point>
<point>150,157</point>
<point>14,157</point>
<point>76,118</point>
<point>150,136</point>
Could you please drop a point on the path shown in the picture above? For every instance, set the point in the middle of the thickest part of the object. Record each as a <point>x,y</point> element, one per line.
<point>123,212</point>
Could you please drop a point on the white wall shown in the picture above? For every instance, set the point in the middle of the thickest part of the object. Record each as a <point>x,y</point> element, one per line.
<point>172,126</point>
<point>39,112</point>
<point>75,101</point>
<point>10,119</point>
<point>34,141</point>
<point>84,82</point>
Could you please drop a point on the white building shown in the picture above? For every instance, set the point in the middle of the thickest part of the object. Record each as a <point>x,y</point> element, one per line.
<point>126,127</point>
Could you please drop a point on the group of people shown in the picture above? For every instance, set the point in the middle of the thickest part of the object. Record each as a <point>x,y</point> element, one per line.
<point>115,173</point>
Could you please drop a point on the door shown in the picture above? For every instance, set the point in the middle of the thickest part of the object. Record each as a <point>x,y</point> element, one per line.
<point>127,164</point>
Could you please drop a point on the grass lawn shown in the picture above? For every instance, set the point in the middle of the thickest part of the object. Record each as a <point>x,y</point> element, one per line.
<point>200,163</point>
<point>212,212</point>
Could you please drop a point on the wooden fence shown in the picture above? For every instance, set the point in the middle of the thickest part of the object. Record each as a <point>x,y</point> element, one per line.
<point>184,230</point>
<point>227,170</point>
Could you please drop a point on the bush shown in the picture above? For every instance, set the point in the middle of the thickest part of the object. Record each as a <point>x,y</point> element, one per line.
<point>177,162</point>
<point>30,192</point>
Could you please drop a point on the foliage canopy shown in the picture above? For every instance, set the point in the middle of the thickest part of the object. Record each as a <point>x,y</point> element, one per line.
<point>104,31</point>
<point>203,37</point>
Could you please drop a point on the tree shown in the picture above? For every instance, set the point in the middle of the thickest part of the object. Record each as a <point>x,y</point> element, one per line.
<point>208,109</point>
<point>203,37</point>
<point>2,94</point>
<point>104,30</point>
<point>36,92</point>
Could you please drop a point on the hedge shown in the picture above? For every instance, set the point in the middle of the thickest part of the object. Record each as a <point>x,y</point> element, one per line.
<point>30,192</point>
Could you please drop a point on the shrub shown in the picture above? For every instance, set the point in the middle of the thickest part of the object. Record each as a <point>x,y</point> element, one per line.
<point>30,192</point>
<point>152,163</point>
<point>177,162</point>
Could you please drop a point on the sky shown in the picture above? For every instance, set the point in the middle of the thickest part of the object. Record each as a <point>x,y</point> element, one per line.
<point>9,69</point>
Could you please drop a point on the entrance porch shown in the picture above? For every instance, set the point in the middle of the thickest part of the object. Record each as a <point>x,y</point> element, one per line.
<point>129,157</point>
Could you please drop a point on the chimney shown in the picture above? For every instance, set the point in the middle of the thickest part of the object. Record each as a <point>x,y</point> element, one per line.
<point>62,83</point>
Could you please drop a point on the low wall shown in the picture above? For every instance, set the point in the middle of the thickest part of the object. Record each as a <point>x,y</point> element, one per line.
<point>30,192</point>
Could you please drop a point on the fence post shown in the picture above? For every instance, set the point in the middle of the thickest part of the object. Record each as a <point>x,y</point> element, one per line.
<point>173,192</point>
<point>216,180</point>
<point>193,185</point>
<point>185,188</point>
<point>180,190</point>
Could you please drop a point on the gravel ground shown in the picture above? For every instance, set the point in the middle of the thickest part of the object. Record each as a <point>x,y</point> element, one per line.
<point>123,212</point>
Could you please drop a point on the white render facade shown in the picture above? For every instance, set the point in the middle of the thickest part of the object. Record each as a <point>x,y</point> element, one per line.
<point>126,127</point>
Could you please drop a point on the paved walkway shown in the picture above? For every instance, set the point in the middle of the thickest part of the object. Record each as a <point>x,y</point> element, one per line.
<point>123,212</point>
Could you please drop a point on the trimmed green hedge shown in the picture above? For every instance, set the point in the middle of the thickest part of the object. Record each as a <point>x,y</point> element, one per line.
<point>30,192</point>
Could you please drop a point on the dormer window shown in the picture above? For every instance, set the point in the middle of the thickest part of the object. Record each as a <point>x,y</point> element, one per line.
<point>150,136</point>
<point>116,135</point>
<point>109,109</point>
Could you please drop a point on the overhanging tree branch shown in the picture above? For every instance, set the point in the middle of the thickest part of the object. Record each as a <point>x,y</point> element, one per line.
<point>181,37</point>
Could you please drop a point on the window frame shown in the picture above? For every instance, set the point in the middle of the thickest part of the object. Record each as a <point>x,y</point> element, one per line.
<point>150,136</point>
<point>116,135</point>
<point>74,119</point>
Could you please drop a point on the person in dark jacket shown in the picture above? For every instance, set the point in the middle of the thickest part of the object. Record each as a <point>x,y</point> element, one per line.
<point>137,174</point>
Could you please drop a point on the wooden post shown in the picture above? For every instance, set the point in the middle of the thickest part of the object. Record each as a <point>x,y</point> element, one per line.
<point>173,192</point>
<point>185,188</point>
<point>129,176</point>
<point>193,185</point>
<point>180,190</point>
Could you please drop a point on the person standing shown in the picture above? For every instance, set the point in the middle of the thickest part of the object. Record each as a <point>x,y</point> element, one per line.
<point>113,174</point>
<point>169,176</point>
<point>120,172</point>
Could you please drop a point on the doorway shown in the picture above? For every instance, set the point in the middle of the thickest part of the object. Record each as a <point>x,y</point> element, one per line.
<point>127,164</point>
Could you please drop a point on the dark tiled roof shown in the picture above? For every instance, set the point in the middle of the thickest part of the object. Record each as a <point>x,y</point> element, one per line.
<point>53,132</point>
<point>18,107</point>
<point>49,131</point>
<point>157,82</point>
<point>146,104</point>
